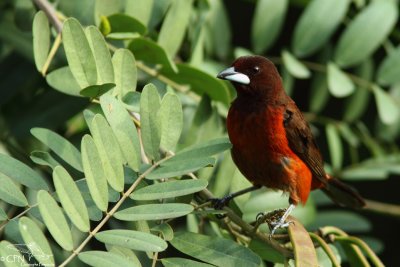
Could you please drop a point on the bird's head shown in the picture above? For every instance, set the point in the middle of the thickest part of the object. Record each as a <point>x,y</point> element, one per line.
<point>252,75</point>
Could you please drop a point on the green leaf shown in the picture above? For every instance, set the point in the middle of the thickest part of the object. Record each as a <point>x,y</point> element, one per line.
<point>203,150</point>
<point>266,252</point>
<point>389,69</point>
<point>36,241</point>
<point>178,168</point>
<point>171,118</point>
<point>71,199</point>
<point>41,39</point>
<point>43,158</point>
<point>3,215</point>
<point>123,128</point>
<point>103,259</point>
<point>62,80</point>
<point>388,109</point>
<point>348,134</point>
<point>215,250</point>
<point>150,52</point>
<point>102,56</point>
<point>132,101</point>
<point>358,102</point>
<point>339,84</point>
<point>169,189</point>
<point>110,154</point>
<point>95,214</point>
<point>132,239</point>
<point>9,251</point>
<point>165,229</point>
<point>345,220</point>
<point>267,23</point>
<point>10,192</point>
<point>319,92</point>
<point>122,36</point>
<point>18,171</point>
<point>316,25</point>
<point>150,124</point>
<point>356,44</point>
<point>324,260</point>
<point>154,212</point>
<point>94,173</point>
<point>96,90</point>
<point>174,26</point>
<point>335,146</point>
<point>124,23</point>
<point>140,10</point>
<point>178,262</point>
<point>219,37</point>
<point>201,83</point>
<point>61,146</point>
<point>54,220</point>
<point>126,253</point>
<point>125,71</point>
<point>79,55</point>
<point>103,8</point>
<point>294,66</point>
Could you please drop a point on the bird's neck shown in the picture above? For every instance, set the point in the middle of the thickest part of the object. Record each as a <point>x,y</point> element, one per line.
<point>260,98</point>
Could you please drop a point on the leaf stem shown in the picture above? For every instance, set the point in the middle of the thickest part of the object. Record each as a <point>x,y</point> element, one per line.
<point>52,53</point>
<point>361,244</point>
<point>326,248</point>
<point>333,232</point>
<point>155,258</point>
<point>109,214</point>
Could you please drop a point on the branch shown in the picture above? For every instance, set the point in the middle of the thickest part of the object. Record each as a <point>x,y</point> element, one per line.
<point>50,13</point>
<point>382,208</point>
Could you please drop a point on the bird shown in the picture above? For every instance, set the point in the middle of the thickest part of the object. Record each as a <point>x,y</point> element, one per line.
<point>272,143</point>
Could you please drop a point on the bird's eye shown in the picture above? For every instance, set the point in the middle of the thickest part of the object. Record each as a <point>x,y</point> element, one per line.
<point>256,69</point>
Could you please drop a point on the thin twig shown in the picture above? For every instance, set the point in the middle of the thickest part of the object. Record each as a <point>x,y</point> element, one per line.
<point>52,53</point>
<point>50,12</point>
<point>155,258</point>
<point>382,208</point>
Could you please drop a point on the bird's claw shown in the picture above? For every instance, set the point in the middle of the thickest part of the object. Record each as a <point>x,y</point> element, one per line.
<point>219,204</point>
<point>274,219</point>
<point>275,225</point>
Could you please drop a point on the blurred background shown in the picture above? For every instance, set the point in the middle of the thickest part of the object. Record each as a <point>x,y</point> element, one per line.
<point>339,61</point>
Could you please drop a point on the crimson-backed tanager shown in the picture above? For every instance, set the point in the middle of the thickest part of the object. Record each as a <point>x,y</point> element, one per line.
<point>272,144</point>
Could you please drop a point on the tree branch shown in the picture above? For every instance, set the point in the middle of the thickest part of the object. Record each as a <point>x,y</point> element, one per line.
<point>50,13</point>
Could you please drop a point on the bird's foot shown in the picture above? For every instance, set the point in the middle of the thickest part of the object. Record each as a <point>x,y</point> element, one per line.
<point>220,203</point>
<point>275,219</point>
<point>275,225</point>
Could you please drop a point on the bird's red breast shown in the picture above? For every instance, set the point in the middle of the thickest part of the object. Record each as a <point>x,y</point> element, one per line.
<point>262,153</point>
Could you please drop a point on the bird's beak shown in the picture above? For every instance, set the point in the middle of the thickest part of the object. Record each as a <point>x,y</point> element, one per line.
<point>231,75</point>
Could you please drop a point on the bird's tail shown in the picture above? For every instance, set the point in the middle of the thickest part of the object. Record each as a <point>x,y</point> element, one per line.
<point>343,194</point>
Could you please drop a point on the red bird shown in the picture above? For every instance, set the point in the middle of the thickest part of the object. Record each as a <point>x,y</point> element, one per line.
<point>272,144</point>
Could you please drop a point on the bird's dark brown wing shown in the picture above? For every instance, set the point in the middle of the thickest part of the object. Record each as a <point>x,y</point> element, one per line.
<point>301,141</point>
